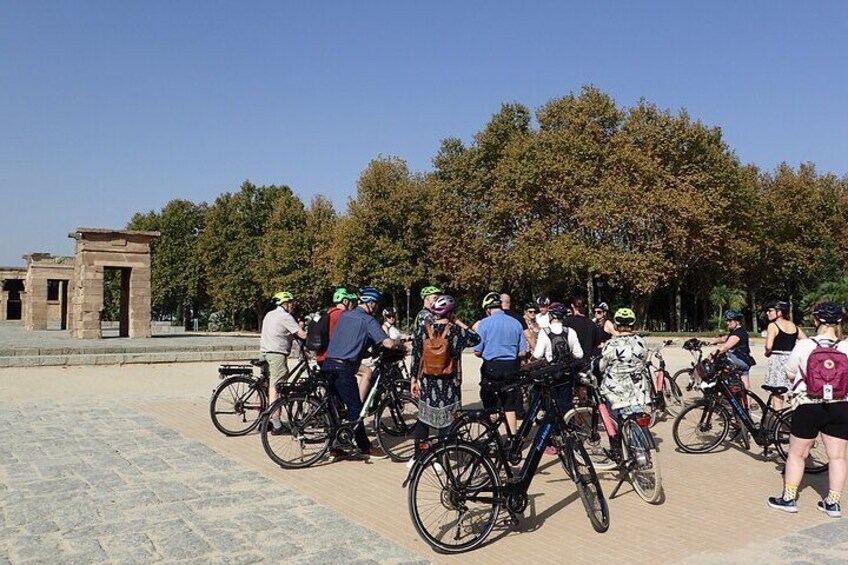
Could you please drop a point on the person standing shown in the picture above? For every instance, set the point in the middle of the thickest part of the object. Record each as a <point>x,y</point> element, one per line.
<point>781,336</point>
<point>506,304</point>
<point>543,319</point>
<point>502,346</point>
<point>428,296</point>
<point>818,368</point>
<point>389,320</point>
<point>279,329</point>
<point>438,385</point>
<point>602,320</point>
<point>588,333</point>
<point>342,302</point>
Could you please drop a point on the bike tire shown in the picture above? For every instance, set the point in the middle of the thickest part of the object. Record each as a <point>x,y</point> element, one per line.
<point>689,379</point>
<point>306,422</point>
<point>580,419</point>
<point>704,412</point>
<point>460,463</point>
<point>645,473</point>
<point>237,404</point>
<point>674,396</point>
<point>588,486</point>
<point>816,462</point>
<point>394,424</point>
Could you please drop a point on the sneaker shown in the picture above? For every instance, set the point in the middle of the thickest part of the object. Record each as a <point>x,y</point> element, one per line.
<point>550,450</point>
<point>278,431</point>
<point>338,453</point>
<point>782,504</point>
<point>832,510</point>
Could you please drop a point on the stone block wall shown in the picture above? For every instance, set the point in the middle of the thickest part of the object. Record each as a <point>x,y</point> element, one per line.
<point>42,267</point>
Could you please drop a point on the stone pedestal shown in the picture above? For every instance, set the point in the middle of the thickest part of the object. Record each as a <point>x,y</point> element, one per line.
<point>100,249</point>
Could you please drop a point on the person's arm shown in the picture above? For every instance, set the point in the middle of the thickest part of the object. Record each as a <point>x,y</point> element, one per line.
<point>793,364</point>
<point>574,344</point>
<point>531,339</point>
<point>291,325</point>
<point>771,333</point>
<point>540,351</point>
<point>376,334</point>
<point>522,345</point>
<point>729,344</point>
<point>481,331</point>
<point>801,334</point>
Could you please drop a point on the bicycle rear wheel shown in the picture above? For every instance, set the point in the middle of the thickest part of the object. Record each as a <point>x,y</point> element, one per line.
<point>394,423</point>
<point>588,486</point>
<point>589,428</point>
<point>673,396</point>
<point>236,405</point>
<point>644,465</point>
<point>816,462</point>
<point>447,502</point>
<point>701,427</point>
<point>305,435</point>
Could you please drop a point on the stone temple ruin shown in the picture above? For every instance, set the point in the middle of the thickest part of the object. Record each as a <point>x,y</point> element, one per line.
<point>67,292</point>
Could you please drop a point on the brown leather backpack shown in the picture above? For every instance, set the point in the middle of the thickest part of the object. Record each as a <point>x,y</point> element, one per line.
<point>436,358</point>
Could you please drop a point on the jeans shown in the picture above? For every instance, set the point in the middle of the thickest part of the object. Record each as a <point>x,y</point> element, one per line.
<point>342,377</point>
<point>743,366</point>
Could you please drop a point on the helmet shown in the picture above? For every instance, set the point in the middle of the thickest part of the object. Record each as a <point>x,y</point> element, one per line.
<point>342,294</point>
<point>602,306</point>
<point>282,297</point>
<point>530,306</point>
<point>543,301</point>
<point>733,315</point>
<point>828,313</point>
<point>492,300</point>
<point>389,313</point>
<point>367,295</point>
<point>624,317</point>
<point>779,305</point>
<point>558,311</point>
<point>443,305</point>
<point>428,290</point>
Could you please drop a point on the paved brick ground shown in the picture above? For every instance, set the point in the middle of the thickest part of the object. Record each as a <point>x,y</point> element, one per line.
<point>122,464</point>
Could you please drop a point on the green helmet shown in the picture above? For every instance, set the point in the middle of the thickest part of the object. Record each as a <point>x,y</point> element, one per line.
<point>624,317</point>
<point>342,294</point>
<point>282,297</point>
<point>428,290</point>
<point>492,300</point>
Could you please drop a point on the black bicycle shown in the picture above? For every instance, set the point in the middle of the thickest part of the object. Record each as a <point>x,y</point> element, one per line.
<point>314,423</point>
<point>242,396</point>
<point>455,490</point>
<point>728,409</point>
<point>666,396</point>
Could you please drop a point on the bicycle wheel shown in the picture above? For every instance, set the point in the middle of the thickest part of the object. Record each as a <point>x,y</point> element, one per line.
<point>305,436</point>
<point>394,422</point>
<point>448,505</point>
<point>236,405</point>
<point>673,395</point>
<point>643,463</point>
<point>816,462</point>
<point>684,379</point>
<point>594,436</point>
<point>701,427</point>
<point>588,486</point>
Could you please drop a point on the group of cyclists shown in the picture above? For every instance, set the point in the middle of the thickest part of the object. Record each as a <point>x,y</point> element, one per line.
<point>551,332</point>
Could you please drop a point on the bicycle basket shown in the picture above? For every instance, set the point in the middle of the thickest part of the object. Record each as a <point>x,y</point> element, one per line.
<point>705,370</point>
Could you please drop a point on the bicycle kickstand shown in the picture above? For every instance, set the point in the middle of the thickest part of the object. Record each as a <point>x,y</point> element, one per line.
<point>624,471</point>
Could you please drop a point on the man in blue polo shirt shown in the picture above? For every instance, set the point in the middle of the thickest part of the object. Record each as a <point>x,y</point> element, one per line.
<point>501,346</point>
<point>354,332</point>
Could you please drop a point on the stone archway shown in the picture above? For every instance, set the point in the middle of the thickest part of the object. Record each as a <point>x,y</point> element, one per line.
<point>99,249</point>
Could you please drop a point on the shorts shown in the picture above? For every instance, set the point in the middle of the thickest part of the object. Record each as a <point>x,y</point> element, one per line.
<point>740,364</point>
<point>278,366</point>
<point>829,418</point>
<point>500,371</point>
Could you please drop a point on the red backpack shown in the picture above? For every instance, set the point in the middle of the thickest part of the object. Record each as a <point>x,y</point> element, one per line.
<point>827,373</point>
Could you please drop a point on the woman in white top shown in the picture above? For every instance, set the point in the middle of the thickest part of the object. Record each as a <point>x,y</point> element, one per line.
<point>825,413</point>
<point>389,320</point>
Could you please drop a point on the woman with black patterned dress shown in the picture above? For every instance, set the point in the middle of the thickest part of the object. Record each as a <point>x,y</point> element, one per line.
<point>439,397</point>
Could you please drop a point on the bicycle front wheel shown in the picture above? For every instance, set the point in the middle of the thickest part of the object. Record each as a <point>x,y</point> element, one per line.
<point>236,405</point>
<point>643,462</point>
<point>673,396</point>
<point>305,434</point>
<point>701,427</point>
<point>394,423</point>
<point>589,428</point>
<point>588,486</point>
<point>452,499</point>
<point>816,461</point>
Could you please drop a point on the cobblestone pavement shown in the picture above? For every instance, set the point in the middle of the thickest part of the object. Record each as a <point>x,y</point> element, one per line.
<point>90,483</point>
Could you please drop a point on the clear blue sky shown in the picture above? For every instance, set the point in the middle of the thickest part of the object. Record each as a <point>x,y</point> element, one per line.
<point>108,108</point>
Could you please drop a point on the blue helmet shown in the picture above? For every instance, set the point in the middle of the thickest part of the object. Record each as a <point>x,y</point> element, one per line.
<point>733,315</point>
<point>367,295</point>
<point>828,313</point>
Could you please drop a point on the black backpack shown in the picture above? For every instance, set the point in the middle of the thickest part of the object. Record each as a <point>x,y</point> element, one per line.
<point>561,352</point>
<point>317,332</point>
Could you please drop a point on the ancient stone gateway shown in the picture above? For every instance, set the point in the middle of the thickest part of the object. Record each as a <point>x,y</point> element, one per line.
<point>11,291</point>
<point>47,285</point>
<point>99,249</point>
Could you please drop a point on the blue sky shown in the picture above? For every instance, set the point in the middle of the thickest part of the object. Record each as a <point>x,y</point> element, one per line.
<point>108,108</point>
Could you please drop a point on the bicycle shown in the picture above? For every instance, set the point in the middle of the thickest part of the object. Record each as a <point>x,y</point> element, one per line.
<point>455,491</point>
<point>703,425</point>
<point>241,397</point>
<point>638,462</point>
<point>666,396</point>
<point>313,422</point>
<point>691,376</point>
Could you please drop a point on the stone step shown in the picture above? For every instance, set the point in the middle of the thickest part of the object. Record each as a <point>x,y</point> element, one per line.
<point>100,358</point>
<point>120,349</point>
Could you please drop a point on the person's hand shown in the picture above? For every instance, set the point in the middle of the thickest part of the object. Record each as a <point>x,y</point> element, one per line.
<point>415,388</point>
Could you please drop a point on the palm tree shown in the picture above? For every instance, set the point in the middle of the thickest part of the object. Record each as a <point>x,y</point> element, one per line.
<point>727,298</point>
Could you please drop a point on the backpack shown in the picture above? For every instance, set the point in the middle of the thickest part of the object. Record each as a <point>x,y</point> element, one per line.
<point>560,350</point>
<point>827,373</point>
<point>317,332</point>
<point>436,358</point>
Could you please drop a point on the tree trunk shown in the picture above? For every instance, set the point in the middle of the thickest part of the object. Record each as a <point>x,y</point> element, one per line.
<point>754,318</point>
<point>590,291</point>
<point>678,308</point>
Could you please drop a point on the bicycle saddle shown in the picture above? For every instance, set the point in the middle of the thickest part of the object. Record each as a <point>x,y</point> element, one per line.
<point>259,362</point>
<point>776,389</point>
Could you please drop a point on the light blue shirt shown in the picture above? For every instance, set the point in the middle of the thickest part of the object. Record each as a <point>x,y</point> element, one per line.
<point>501,337</point>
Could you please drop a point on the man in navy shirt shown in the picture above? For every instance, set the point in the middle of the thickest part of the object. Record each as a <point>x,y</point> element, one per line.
<point>354,332</point>
<point>502,344</point>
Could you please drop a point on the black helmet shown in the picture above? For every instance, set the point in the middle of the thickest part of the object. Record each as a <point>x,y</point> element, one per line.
<point>530,306</point>
<point>558,311</point>
<point>828,313</point>
<point>779,305</point>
